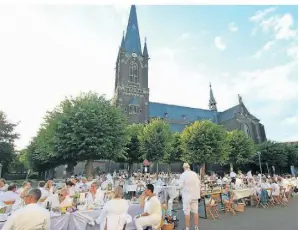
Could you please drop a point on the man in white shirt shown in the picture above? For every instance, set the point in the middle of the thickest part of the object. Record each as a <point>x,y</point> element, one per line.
<point>190,190</point>
<point>152,215</point>
<point>32,216</point>
<point>11,194</point>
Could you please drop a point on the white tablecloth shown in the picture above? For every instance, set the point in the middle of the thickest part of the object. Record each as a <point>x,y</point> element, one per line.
<point>79,220</point>
<point>242,193</point>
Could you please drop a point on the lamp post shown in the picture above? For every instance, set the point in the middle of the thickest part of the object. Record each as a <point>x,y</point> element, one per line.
<point>259,153</point>
<point>1,166</point>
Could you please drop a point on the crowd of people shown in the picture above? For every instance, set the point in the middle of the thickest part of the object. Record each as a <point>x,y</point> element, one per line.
<point>21,204</point>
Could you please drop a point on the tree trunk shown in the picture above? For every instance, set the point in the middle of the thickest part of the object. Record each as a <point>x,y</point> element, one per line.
<point>130,169</point>
<point>157,169</point>
<point>70,169</point>
<point>169,168</point>
<point>202,171</point>
<point>231,166</point>
<point>89,168</point>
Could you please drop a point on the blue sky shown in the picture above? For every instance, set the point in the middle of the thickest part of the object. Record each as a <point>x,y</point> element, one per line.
<point>49,52</point>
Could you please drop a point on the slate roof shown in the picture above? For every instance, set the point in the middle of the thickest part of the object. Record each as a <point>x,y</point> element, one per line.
<point>176,112</point>
<point>132,38</point>
<point>228,114</point>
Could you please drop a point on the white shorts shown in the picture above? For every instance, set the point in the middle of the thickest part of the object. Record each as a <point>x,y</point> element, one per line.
<point>190,206</point>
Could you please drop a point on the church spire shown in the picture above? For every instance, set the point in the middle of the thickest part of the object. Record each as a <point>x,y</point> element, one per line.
<point>212,101</point>
<point>145,52</point>
<point>132,39</point>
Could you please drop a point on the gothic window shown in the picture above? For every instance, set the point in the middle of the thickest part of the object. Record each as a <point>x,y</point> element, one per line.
<point>133,73</point>
<point>247,130</point>
<point>134,109</point>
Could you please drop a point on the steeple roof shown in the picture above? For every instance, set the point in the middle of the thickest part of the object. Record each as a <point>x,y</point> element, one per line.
<point>212,101</point>
<point>212,98</point>
<point>132,39</point>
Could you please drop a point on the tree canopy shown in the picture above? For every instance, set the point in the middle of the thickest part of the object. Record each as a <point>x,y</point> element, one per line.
<point>156,140</point>
<point>204,142</point>
<point>7,139</point>
<point>242,148</point>
<point>90,128</point>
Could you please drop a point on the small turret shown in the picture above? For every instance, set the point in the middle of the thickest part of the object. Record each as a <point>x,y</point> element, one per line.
<point>212,101</point>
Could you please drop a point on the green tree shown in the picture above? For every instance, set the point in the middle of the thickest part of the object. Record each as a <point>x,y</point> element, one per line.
<point>7,139</point>
<point>90,128</point>
<point>242,148</point>
<point>274,154</point>
<point>292,153</point>
<point>176,151</point>
<point>156,141</point>
<point>133,147</point>
<point>40,152</point>
<point>204,142</point>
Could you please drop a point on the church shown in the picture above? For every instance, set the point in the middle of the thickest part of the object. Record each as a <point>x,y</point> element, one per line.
<point>131,93</point>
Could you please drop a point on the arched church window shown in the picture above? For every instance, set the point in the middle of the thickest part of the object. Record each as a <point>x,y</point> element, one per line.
<point>247,130</point>
<point>130,109</point>
<point>133,73</point>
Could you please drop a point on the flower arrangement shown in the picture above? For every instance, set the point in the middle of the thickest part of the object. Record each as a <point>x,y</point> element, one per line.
<point>146,163</point>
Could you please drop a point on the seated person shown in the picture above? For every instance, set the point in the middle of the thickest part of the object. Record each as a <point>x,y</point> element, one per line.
<point>115,207</point>
<point>225,196</point>
<point>62,199</point>
<point>83,186</point>
<point>41,187</point>
<point>95,196</point>
<point>11,194</point>
<point>152,210</point>
<point>19,203</point>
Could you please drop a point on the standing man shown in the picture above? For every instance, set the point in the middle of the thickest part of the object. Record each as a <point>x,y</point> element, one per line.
<point>190,189</point>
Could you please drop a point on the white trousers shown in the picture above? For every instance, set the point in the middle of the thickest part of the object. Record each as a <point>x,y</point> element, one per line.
<point>152,220</point>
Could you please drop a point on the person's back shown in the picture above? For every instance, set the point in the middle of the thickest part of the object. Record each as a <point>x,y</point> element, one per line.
<point>191,184</point>
<point>22,218</point>
<point>30,217</point>
<point>117,206</point>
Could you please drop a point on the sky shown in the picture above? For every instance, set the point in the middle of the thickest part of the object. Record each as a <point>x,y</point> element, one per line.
<point>53,51</point>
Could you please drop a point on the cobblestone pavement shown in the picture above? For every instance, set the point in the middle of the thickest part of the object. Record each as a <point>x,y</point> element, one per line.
<point>277,218</point>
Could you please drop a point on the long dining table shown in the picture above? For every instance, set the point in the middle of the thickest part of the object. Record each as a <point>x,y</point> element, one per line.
<point>84,220</point>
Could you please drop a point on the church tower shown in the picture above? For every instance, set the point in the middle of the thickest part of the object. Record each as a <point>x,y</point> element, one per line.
<point>131,91</point>
<point>212,101</point>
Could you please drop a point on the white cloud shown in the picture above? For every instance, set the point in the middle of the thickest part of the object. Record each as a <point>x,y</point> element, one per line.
<point>290,120</point>
<point>233,27</point>
<point>273,84</point>
<point>265,48</point>
<point>218,41</point>
<point>259,15</point>
<point>281,26</point>
<point>292,51</point>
